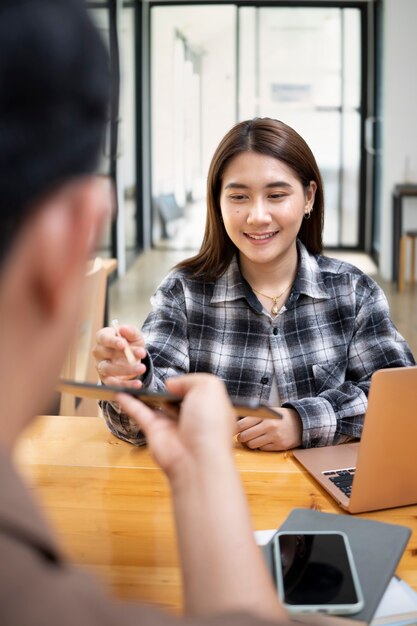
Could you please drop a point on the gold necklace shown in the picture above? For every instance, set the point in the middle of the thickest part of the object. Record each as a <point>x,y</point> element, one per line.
<point>274,309</point>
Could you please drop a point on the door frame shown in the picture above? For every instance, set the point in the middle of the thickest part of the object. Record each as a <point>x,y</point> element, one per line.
<point>366,218</point>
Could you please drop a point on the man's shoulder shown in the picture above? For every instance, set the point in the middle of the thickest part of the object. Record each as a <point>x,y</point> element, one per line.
<point>19,514</point>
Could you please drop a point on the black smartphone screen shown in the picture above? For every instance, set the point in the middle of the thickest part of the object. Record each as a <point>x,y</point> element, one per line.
<point>316,570</point>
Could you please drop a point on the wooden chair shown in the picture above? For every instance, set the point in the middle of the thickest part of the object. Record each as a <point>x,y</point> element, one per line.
<point>409,236</point>
<point>79,364</point>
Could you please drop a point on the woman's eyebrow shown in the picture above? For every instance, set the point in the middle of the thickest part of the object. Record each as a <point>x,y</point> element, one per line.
<point>236,186</point>
<point>277,183</point>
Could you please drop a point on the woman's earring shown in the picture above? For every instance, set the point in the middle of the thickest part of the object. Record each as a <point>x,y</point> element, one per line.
<point>307,215</point>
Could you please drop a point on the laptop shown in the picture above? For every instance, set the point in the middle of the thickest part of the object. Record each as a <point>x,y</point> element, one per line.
<point>380,471</point>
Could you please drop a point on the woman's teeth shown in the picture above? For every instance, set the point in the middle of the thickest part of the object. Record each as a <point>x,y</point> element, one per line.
<point>266,236</point>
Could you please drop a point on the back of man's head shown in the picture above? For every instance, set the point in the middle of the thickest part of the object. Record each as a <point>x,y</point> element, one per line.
<point>54,87</point>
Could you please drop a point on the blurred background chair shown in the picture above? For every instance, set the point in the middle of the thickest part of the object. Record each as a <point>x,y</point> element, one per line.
<point>409,236</point>
<point>79,364</point>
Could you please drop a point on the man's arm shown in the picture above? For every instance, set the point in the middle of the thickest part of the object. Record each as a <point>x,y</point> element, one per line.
<point>38,587</point>
<point>223,568</point>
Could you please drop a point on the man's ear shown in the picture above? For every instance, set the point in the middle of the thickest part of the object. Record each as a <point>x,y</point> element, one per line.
<point>66,230</point>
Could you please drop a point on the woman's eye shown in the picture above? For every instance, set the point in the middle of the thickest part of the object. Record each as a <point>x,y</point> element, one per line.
<point>276,196</point>
<point>237,197</point>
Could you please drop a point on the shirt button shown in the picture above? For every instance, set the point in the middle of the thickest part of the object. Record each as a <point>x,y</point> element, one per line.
<point>275,330</point>
<point>264,380</point>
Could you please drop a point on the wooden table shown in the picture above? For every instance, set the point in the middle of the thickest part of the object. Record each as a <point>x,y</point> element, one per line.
<point>110,506</point>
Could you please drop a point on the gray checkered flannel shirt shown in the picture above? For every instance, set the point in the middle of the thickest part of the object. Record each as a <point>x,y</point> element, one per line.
<point>322,348</point>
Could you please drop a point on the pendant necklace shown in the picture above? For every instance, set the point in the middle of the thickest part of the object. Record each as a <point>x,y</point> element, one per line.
<point>274,309</point>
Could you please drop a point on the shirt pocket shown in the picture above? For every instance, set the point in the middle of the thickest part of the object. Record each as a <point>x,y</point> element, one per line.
<point>329,375</point>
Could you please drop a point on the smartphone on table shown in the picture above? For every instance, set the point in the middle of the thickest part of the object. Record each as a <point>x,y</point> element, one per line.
<point>315,573</point>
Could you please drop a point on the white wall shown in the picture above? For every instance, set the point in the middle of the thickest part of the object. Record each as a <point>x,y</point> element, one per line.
<point>399,123</point>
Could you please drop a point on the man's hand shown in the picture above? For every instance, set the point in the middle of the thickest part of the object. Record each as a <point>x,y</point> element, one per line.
<point>204,428</point>
<point>223,568</point>
<point>271,435</point>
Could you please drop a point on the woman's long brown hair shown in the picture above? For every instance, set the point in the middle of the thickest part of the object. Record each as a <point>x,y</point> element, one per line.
<point>264,136</point>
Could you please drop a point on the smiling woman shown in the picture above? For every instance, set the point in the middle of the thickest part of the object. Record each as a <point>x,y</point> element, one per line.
<point>263,204</point>
<point>281,156</point>
<point>261,307</point>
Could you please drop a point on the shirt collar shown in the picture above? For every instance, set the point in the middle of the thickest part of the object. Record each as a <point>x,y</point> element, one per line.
<point>232,286</point>
<point>309,279</point>
<point>19,518</point>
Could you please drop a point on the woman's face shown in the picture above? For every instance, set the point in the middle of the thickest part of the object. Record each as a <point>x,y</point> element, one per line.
<point>263,203</point>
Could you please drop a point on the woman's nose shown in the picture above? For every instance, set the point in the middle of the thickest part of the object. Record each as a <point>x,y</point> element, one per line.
<point>259,213</point>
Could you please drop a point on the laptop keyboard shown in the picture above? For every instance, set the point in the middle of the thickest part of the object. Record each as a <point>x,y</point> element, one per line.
<point>342,478</point>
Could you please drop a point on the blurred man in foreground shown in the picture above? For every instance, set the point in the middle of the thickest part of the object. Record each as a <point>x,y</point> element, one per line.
<point>54,87</point>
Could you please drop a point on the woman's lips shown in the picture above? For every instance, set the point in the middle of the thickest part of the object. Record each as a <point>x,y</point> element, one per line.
<point>260,238</point>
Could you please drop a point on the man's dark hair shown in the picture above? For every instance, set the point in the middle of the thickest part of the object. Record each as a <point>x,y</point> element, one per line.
<point>54,88</point>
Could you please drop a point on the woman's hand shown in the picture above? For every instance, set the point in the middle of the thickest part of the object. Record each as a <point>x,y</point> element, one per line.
<point>270,435</point>
<point>111,362</point>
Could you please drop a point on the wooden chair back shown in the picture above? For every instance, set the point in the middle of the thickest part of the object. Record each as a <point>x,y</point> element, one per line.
<point>79,364</point>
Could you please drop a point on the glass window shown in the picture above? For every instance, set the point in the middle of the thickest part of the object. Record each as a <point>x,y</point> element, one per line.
<point>302,66</point>
<point>214,65</point>
<point>193,104</point>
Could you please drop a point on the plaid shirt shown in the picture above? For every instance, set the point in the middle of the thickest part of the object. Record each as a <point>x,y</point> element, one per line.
<point>321,349</point>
